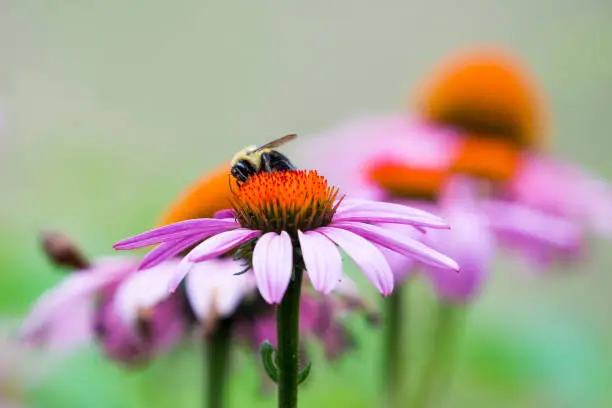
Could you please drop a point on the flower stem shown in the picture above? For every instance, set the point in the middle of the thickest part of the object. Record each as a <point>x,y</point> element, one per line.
<point>395,321</point>
<point>218,358</point>
<point>437,366</point>
<point>287,326</point>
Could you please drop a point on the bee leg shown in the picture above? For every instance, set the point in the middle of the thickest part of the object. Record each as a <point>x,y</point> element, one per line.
<point>275,161</point>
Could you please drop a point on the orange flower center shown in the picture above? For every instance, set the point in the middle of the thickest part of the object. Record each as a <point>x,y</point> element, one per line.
<point>402,181</point>
<point>490,159</point>
<point>485,92</point>
<point>285,201</point>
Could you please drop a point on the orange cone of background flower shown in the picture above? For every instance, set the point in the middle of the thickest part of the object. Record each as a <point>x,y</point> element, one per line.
<point>488,97</point>
<point>484,92</point>
<point>491,99</point>
<point>204,198</point>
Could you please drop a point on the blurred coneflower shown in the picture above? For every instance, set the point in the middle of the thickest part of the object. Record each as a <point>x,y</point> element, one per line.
<point>507,152</point>
<point>478,130</point>
<point>84,306</point>
<point>283,223</point>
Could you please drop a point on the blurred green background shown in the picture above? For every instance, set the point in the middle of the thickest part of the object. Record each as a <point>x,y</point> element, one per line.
<point>112,107</point>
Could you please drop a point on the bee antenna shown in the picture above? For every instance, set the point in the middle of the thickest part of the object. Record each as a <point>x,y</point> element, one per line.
<point>229,182</point>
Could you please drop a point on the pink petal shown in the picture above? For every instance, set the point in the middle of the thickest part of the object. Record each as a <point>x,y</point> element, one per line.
<point>522,221</point>
<point>221,243</point>
<point>70,327</point>
<point>205,226</point>
<point>382,217</point>
<point>322,260</point>
<point>47,317</point>
<point>227,213</point>
<point>349,205</point>
<point>399,243</point>
<point>143,290</point>
<point>167,250</point>
<point>380,212</point>
<point>365,255</point>
<point>470,242</point>
<point>273,265</point>
<point>214,291</point>
<point>183,268</point>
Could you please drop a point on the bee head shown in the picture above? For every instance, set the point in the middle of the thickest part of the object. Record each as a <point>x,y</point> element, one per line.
<point>243,154</point>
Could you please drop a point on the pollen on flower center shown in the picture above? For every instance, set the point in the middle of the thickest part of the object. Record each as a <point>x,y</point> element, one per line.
<point>285,201</point>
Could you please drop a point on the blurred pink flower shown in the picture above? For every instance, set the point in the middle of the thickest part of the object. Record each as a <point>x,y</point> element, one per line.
<point>83,306</point>
<point>562,189</point>
<point>312,218</point>
<point>471,243</point>
<point>396,158</point>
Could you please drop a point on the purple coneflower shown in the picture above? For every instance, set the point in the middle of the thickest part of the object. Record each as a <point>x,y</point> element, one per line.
<point>286,222</point>
<point>83,307</point>
<point>277,213</point>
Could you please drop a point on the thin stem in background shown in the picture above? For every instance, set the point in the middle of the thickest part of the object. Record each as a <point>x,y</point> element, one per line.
<point>440,354</point>
<point>395,320</point>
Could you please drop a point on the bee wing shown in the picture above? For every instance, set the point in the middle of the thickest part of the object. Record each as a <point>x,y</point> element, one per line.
<point>276,142</point>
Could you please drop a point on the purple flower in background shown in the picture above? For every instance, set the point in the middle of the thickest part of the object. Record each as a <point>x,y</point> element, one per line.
<point>397,158</point>
<point>275,212</point>
<point>84,306</point>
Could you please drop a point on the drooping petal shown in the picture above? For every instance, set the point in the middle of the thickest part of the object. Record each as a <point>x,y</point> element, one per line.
<point>365,255</point>
<point>566,190</point>
<point>322,260</point>
<point>404,245</point>
<point>273,265</point>
<point>542,237</point>
<point>183,268</point>
<point>214,291</point>
<point>520,220</point>
<point>204,226</point>
<point>167,250</point>
<point>401,265</point>
<point>143,290</point>
<point>221,243</point>
<point>63,312</point>
<point>70,327</point>
<point>471,243</point>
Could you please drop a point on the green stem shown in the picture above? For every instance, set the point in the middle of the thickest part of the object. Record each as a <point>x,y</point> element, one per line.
<point>438,363</point>
<point>218,358</point>
<point>287,326</point>
<point>395,321</point>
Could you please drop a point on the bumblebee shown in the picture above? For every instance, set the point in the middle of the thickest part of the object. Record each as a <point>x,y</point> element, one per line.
<point>257,159</point>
